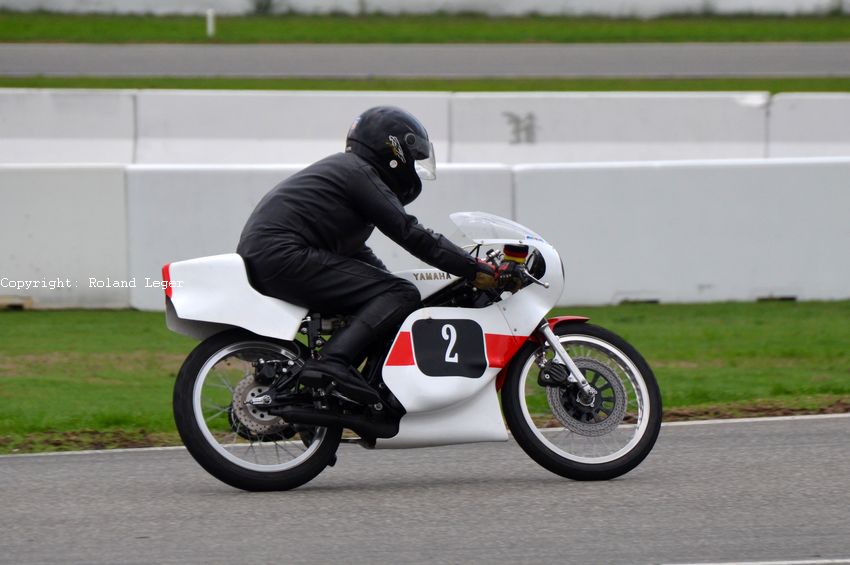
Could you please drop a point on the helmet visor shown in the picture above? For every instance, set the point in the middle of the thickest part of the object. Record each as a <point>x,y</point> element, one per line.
<point>426,167</point>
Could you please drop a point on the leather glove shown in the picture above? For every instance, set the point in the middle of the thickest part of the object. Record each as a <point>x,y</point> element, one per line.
<point>508,276</point>
<point>486,277</point>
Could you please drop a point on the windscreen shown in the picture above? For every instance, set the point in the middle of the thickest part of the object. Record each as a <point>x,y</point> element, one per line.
<point>477,226</point>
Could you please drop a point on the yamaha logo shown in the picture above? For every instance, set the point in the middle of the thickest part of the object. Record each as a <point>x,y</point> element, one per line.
<point>432,276</point>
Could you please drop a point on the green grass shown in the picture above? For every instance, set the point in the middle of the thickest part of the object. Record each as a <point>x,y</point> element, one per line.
<point>77,379</point>
<point>21,27</point>
<point>820,84</point>
<point>74,372</point>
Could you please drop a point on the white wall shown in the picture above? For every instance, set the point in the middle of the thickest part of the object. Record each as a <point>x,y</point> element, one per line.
<point>284,127</point>
<point>247,127</point>
<point>599,126</point>
<point>159,7</point>
<point>694,231</point>
<point>65,222</point>
<point>669,231</point>
<point>75,126</point>
<point>766,7</point>
<point>612,8</point>
<point>808,125</point>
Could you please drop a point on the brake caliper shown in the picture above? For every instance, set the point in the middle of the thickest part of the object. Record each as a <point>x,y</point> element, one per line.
<point>553,374</point>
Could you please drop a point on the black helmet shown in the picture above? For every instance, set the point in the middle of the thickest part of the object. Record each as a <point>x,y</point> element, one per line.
<point>396,143</point>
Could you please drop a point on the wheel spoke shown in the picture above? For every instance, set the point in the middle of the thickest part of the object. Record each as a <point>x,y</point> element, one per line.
<point>216,415</point>
<point>226,384</point>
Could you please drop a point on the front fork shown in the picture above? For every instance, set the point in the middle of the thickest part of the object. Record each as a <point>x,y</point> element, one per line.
<point>575,373</point>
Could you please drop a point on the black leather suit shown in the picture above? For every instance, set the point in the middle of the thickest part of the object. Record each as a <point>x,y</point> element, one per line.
<point>305,243</point>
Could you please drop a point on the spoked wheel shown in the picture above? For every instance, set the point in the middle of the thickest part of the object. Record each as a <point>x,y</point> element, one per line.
<point>236,442</point>
<point>577,436</point>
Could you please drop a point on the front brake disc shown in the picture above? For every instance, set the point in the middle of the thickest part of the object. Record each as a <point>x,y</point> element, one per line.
<point>595,417</point>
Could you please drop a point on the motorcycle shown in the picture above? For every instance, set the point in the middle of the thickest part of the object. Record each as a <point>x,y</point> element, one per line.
<point>577,398</point>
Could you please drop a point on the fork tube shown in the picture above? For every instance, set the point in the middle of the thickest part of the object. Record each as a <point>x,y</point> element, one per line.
<point>559,350</point>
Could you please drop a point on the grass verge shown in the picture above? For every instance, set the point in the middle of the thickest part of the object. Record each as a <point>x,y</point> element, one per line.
<point>773,85</point>
<point>47,27</point>
<point>99,379</point>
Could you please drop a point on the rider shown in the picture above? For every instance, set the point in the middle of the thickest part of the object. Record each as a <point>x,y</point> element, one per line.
<point>305,241</point>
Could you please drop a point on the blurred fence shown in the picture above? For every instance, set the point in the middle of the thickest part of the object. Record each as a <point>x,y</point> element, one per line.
<point>672,231</point>
<point>215,127</point>
<point>603,8</point>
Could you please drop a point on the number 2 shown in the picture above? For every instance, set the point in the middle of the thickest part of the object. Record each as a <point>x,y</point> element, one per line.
<point>450,335</point>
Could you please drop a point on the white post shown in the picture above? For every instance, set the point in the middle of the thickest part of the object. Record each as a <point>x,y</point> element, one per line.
<point>210,22</point>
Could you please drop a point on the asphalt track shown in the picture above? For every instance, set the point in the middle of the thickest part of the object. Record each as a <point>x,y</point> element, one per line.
<point>680,60</point>
<point>773,490</point>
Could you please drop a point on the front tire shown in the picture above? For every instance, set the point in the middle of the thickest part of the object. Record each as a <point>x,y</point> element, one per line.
<point>584,441</point>
<point>244,447</point>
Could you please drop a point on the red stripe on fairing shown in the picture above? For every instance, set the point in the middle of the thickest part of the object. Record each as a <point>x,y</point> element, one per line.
<point>501,348</point>
<point>166,276</point>
<point>401,353</point>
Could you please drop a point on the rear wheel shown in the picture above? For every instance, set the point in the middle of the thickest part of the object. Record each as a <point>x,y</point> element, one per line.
<point>573,435</point>
<point>236,442</point>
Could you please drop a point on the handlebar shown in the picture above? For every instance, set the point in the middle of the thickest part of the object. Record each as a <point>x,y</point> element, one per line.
<point>520,270</point>
<point>524,271</point>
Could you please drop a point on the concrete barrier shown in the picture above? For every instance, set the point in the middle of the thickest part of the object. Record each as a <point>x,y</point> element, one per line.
<point>78,126</point>
<point>573,127</point>
<point>244,127</point>
<point>772,7</point>
<point>62,226</point>
<point>66,126</point>
<point>694,231</point>
<point>156,7</point>
<point>610,8</point>
<point>669,231</point>
<point>807,125</point>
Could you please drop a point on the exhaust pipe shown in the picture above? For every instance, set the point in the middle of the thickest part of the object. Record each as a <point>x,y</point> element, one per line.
<point>359,424</point>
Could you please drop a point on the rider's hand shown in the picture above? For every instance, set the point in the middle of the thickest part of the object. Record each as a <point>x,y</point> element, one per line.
<point>508,276</point>
<point>486,277</point>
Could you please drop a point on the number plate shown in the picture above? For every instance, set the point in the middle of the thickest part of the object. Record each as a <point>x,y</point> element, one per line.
<point>449,348</point>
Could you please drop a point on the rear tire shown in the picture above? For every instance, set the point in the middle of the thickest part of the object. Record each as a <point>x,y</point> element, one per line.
<point>233,451</point>
<point>570,439</point>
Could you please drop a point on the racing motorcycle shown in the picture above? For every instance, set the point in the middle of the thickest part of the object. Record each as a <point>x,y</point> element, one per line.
<point>579,400</point>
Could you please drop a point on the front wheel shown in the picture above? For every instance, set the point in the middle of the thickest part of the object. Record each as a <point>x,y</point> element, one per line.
<point>234,441</point>
<point>572,435</point>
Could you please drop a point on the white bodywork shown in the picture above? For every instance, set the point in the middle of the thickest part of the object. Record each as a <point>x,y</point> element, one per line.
<point>214,293</point>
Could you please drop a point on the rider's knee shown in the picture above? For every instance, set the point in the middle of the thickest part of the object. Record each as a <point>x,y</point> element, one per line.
<point>407,293</point>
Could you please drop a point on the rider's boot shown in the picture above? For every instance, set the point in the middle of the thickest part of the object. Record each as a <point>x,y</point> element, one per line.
<point>335,364</point>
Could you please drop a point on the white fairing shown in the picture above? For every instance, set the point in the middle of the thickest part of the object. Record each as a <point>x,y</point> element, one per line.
<point>449,409</point>
<point>446,408</point>
<point>210,293</point>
